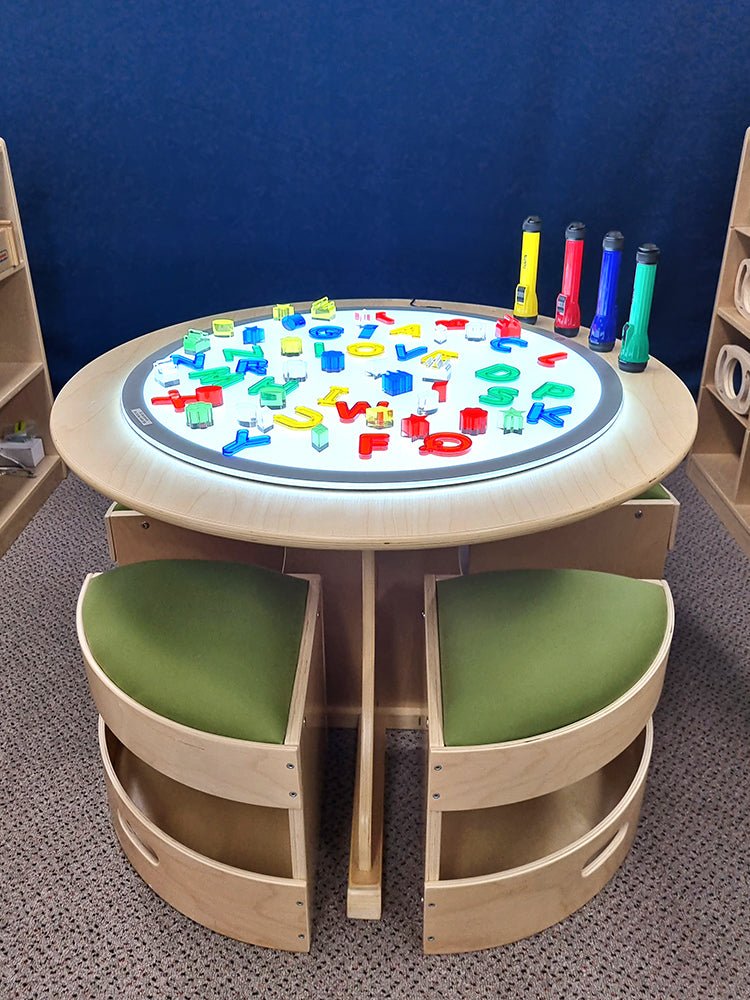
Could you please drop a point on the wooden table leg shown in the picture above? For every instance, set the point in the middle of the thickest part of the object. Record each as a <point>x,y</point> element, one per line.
<point>364,893</point>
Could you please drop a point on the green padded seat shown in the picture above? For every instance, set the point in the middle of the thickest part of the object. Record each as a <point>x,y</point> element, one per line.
<point>525,652</point>
<point>655,492</point>
<point>212,645</point>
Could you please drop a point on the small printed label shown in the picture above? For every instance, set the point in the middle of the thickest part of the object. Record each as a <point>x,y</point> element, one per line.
<point>142,417</point>
<point>3,256</point>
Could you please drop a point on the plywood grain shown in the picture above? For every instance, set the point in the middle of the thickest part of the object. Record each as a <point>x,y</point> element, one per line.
<point>650,437</point>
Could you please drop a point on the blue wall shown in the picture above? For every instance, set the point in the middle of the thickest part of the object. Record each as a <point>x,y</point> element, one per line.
<point>177,160</point>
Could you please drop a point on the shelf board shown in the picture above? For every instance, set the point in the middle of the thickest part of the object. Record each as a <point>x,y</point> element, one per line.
<point>12,270</point>
<point>737,416</point>
<point>21,497</point>
<point>720,469</point>
<point>722,477</point>
<point>708,475</point>
<point>14,376</point>
<point>735,318</point>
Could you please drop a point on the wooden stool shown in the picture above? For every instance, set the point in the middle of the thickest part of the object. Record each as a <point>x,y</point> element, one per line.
<point>541,685</point>
<point>209,681</point>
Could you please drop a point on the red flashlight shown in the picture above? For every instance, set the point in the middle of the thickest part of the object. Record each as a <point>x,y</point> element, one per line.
<point>568,309</point>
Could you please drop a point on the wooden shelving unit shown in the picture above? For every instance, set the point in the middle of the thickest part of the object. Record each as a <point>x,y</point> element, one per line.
<point>25,390</point>
<point>719,463</point>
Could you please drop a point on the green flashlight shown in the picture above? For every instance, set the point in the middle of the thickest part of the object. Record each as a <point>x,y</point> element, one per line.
<point>634,350</point>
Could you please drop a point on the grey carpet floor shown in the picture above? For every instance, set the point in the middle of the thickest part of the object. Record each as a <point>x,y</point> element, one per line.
<point>77,922</point>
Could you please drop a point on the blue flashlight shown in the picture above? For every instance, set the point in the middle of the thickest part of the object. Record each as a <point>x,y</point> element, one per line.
<point>603,333</point>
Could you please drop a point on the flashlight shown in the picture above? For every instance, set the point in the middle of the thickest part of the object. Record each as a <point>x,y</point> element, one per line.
<point>634,350</point>
<point>568,310</point>
<point>526,306</point>
<point>603,333</point>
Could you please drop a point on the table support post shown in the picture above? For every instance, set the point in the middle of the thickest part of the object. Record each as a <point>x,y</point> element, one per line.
<point>366,853</point>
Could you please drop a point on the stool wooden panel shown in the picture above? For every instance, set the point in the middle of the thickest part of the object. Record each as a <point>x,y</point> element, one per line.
<point>632,539</point>
<point>233,768</point>
<point>520,834</point>
<point>223,829</point>
<point>506,873</point>
<point>478,777</point>
<point>250,900</point>
<point>133,537</point>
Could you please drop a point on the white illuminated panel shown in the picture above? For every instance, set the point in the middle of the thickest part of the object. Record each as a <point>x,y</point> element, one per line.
<point>290,457</point>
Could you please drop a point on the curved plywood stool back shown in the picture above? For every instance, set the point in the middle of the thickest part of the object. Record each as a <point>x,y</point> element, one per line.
<point>223,828</point>
<point>522,832</point>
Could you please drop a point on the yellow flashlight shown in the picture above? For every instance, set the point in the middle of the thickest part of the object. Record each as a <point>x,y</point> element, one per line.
<point>526,306</point>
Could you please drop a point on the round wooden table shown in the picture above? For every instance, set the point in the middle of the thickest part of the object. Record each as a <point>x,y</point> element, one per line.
<point>331,531</point>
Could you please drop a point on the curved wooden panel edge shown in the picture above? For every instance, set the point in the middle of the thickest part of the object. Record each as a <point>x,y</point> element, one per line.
<point>489,911</point>
<point>483,776</point>
<point>257,773</point>
<point>258,909</point>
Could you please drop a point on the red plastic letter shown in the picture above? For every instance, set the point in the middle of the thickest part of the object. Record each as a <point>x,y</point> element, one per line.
<point>452,324</point>
<point>549,360</point>
<point>441,388</point>
<point>168,400</point>
<point>445,443</point>
<point>473,420</point>
<point>179,402</point>
<point>508,326</point>
<point>372,442</point>
<point>349,413</point>
<point>415,427</point>
<point>213,394</point>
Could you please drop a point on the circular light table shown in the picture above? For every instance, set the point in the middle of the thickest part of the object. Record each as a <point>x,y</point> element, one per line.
<point>372,445</point>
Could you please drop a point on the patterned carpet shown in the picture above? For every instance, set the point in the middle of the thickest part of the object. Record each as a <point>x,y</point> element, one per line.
<point>77,922</point>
